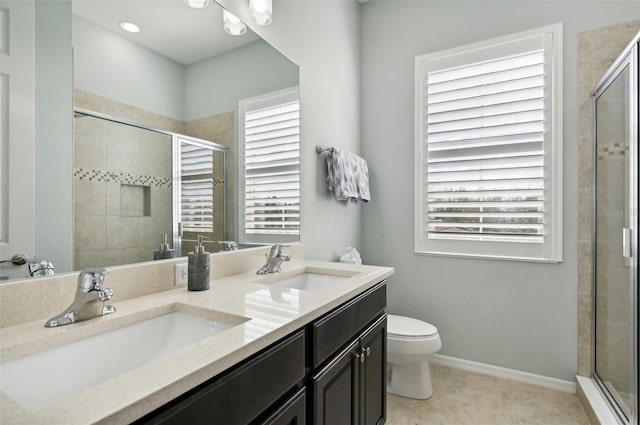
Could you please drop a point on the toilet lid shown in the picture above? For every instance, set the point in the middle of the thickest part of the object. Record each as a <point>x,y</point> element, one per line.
<point>407,326</point>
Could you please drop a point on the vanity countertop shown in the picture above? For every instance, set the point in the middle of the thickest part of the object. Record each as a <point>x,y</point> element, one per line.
<point>272,312</point>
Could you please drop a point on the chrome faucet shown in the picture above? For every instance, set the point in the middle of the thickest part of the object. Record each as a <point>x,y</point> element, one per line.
<point>229,245</point>
<point>89,300</point>
<point>274,259</point>
<point>39,268</point>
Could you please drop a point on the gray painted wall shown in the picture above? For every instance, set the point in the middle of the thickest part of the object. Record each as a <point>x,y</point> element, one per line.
<point>513,314</point>
<point>215,85</point>
<point>112,66</point>
<point>323,37</point>
<point>53,118</point>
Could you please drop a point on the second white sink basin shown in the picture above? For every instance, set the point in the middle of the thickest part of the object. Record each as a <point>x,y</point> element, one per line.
<point>309,279</point>
<point>42,378</point>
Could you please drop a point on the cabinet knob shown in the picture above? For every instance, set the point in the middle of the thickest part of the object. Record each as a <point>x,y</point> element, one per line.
<point>363,353</point>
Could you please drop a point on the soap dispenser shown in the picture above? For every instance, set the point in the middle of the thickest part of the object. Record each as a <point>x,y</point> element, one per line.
<point>199,268</point>
<point>163,251</point>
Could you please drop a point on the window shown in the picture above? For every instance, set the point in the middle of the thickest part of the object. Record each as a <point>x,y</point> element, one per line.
<point>270,168</point>
<point>489,148</point>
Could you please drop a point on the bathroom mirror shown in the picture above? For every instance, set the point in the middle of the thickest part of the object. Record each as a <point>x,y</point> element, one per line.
<point>181,73</point>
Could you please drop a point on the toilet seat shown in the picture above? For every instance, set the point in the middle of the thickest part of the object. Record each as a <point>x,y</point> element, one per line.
<point>406,327</point>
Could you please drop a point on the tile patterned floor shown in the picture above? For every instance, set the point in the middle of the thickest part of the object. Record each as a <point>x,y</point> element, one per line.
<point>465,398</point>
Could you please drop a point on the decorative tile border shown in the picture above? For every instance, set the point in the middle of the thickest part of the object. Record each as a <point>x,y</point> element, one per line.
<point>123,178</point>
<point>612,151</point>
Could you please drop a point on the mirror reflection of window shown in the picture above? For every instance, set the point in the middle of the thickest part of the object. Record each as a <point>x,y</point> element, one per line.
<point>196,173</point>
<point>201,195</point>
<point>270,167</point>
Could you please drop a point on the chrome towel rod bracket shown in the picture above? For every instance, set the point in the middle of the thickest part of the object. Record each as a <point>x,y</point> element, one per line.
<point>320,149</point>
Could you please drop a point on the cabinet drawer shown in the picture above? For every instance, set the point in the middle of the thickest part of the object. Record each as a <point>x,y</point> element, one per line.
<point>243,394</point>
<point>336,328</point>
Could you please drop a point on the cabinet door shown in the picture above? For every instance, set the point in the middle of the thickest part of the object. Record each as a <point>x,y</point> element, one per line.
<point>293,412</point>
<point>373,379</point>
<point>336,389</point>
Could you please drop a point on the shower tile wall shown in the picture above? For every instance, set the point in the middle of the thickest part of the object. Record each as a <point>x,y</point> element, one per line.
<point>103,105</point>
<point>596,52</point>
<point>118,218</point>
<point>122,192</point>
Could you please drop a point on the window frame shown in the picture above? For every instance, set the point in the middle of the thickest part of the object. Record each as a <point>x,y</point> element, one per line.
<point>263,100</point>
<point>476,246</point>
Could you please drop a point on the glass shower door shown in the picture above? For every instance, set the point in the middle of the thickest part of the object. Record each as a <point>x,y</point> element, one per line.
<point>614,305</point>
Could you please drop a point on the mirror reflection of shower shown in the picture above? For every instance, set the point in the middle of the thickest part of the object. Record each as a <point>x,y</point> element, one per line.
<point>128,185</point>
<point>200,193</point>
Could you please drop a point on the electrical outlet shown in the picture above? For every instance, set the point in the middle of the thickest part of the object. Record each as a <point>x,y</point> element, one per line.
<point>182,273</point>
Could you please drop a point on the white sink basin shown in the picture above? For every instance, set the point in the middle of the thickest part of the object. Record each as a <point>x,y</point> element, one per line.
<point>43,378</point>
<point>309,280</point>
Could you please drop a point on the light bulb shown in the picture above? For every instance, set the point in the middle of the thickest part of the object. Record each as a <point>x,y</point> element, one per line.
<point>197,4</point>
<point>261,10</point>
<point>233,25</point>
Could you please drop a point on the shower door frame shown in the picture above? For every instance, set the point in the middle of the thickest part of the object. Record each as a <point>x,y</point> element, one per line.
<point>629,57</point>
<point>176,141</point>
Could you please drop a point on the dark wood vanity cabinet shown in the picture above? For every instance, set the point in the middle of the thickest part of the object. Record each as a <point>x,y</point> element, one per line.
<point>351,388</point>
<point>331,372</point>
<point>242,395</point>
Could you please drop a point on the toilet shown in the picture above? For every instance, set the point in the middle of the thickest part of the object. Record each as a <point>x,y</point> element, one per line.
<point>410,343</point>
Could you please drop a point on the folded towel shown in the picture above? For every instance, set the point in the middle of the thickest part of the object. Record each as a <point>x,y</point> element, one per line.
<point>348,176</point>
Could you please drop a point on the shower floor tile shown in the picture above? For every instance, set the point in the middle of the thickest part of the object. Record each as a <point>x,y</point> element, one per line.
<point>466,398</point>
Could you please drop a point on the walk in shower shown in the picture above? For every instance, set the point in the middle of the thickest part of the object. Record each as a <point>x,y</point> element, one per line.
<point>132,184</point>
<point>615,235</point>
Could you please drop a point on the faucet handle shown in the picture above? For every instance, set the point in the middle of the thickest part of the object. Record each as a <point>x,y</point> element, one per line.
<point>282,255</point>
<point>105,294</point>
<point>91,279</point>
<point>229,245</point>
<point>277,250</point>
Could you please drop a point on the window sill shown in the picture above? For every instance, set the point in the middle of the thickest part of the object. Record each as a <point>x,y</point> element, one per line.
<point>487,257</point>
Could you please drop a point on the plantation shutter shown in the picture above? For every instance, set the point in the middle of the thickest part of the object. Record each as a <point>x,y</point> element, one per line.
<point>196,175</point>
<point>484,162</point>
<point>272,170</point>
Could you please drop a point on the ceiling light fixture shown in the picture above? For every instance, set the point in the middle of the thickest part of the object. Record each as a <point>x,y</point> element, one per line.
<point>261,10</point>
<point>197,4</point>
<point>129,26</point>
<point>233,25</point>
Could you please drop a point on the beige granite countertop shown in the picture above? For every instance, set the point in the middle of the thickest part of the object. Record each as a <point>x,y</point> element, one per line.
<point>261,314</point>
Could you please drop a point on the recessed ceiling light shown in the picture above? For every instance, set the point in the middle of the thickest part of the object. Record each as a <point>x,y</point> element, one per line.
<point>129,26</point>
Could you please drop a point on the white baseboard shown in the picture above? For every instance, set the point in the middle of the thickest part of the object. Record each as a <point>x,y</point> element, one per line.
<point>503,372</point>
